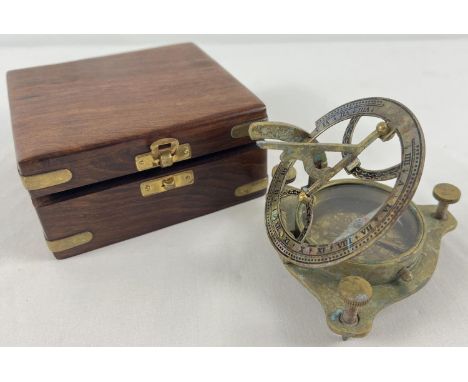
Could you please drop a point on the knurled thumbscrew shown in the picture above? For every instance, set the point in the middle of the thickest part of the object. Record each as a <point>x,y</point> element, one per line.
<point>355,292</point>
<point>445,194</point>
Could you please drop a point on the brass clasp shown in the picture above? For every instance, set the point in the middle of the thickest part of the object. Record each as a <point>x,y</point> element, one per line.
<point>167,183</point>
<point>163,153</point>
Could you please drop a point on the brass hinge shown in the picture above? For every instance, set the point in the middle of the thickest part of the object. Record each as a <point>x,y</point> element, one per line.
<point>250,188</point>
<point>163,153</point>
<point>46,179</point>
<point>69,242</point>
<point>167,183</point>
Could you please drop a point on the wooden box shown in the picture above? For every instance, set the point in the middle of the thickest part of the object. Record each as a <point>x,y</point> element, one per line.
<point>118,146</point>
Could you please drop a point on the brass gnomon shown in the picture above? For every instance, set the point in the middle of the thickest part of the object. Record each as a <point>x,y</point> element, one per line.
<point>356,244</point>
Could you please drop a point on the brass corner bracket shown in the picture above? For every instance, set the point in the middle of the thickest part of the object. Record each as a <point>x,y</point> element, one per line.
<point>252,187</point>
<point>47,179</point>
<point>69,242</point>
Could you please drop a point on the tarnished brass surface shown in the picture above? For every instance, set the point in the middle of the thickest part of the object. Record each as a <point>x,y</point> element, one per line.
<point>355,292</point>
<point>163,153</point>
<point>251,187</point>
<point>69,242</point>
<point>383,261</point>
<point>445,194</point>
<point>47,179</point>
<point>325,288</point>
<point>167,183</point>
<point>296,144</point>
<point>356,244</point>
<point>241,130</point>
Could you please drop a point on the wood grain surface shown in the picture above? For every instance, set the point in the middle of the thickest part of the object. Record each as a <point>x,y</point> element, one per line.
<point>93,116</point>
<point>115,210</point>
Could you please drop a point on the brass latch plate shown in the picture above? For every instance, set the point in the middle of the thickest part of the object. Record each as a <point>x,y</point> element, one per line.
<point>167,183</point>
<point>163,153</point>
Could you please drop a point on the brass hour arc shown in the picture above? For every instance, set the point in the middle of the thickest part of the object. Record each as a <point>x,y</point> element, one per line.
<point>409,172</point>
<point>360,172</point>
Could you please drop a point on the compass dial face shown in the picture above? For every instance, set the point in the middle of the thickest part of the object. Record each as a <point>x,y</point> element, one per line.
<point>344,206</point>
<point>293,246</point>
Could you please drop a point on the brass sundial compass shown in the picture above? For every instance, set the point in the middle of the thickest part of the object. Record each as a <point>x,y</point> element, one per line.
<point>358,245</point>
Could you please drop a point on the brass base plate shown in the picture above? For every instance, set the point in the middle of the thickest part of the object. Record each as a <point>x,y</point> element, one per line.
<point>324,287</point>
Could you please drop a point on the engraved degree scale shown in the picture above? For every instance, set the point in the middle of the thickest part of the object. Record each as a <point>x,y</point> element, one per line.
<point>356,244</point>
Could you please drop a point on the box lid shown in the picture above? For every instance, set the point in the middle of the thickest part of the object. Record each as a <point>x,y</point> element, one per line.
<point>87,121</point>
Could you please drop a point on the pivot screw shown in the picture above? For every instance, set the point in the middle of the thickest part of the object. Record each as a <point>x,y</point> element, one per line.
<point>445,194</point>
<point>355,292</point>
<point>382,128</point>
<point>385,132</point>
<point>405,275</point>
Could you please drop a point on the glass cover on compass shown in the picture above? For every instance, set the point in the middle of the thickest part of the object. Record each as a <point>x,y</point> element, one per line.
<point>343,208</point>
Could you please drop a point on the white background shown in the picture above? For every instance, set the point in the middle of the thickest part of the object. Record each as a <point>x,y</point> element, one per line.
<point>216,280</point>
